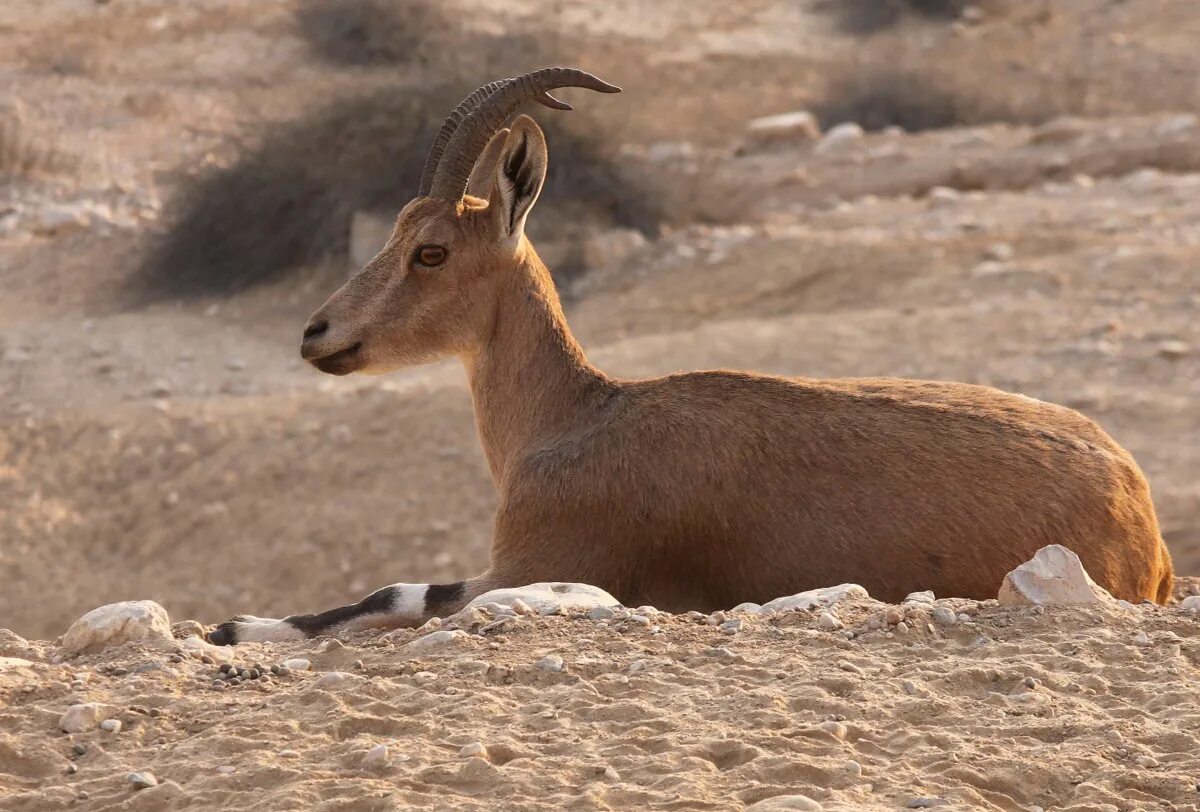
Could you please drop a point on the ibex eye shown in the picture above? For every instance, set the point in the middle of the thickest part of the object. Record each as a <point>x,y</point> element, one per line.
<point>431,255</point>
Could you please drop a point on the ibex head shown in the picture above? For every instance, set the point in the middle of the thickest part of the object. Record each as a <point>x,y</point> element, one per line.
<point>431,291</point>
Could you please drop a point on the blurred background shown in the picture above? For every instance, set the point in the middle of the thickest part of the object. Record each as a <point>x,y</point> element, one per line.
<point>1002,191</point>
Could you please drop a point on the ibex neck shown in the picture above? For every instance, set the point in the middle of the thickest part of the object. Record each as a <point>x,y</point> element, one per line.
<point>530,382</point>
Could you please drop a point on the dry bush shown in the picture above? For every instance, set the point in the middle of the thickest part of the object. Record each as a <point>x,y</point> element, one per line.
<point>290,201</point>
<point>871,16</point>
<point>369,32</point>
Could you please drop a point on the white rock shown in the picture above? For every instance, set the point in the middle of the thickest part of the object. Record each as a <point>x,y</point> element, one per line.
<point>550,598</point>
<point>1142,639</point>
<point>551,662</point>
<point>115,624</point>
<point>297,664</point>
<point>226,769</point>
<point>474,750</point>
<point>839,138</point>
<point>944,616</point>
<point>376,757</point>
<point>1054,575</point>
<point>436,640</point>
<point>111,725</point>
<point>85,716</point>
<point>786,802</point>
<point>822,598</point>
<point>1191,603</point>
<point>828,622</point>
<point>334,679</point>
<point>142,780</point>
<point>732,626</point>
<point>800,125</point>
<point>925,598</point>
<point>751,608</point>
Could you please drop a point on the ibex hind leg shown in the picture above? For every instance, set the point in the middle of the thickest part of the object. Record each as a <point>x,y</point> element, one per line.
<point>388,608</point>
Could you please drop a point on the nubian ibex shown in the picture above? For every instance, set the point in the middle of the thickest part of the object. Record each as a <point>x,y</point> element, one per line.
<point>699,490</point>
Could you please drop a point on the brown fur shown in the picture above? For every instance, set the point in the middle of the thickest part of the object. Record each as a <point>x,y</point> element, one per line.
<point>706,489</point>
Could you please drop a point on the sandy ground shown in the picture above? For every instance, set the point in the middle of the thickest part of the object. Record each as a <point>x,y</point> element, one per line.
<point>1007,709</point>
<point>1045,240</point>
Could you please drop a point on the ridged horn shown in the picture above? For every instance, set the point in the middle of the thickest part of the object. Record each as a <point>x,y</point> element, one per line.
<point>455,119</point>
<point>468,138</point>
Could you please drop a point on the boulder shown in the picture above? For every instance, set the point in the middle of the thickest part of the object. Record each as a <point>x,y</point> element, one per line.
<point>115,624</point>
<point>1054,576</point>
<point>822,598</point>
<point>550,598</point>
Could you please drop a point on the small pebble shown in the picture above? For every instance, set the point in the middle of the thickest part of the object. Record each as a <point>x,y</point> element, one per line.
<point>289,754</point>
<point>376,757</point>
<point>79,748</point>
<point>297,664</point>
<point>226,668</point>
<point>854,768</point>
<point>473,750</point>
<point>111,725</point>
<point>600,613</point>
<point>175,658</point>
<point>846,665</point>
<point>1147,761</point>
<point>715,619</point>
<point>836,729</point>
<point>944,616</point>
<point>1142,639</point>
<point>226,769</point>
<point>1029,682</point>
<point>732,626</point>
<point>551,662</point>
<point>611,775</point>
<point>425,677</point>
<point>71,768</point>
<point>828,622</point>
<point>218,685</point>
<point>142,780</point>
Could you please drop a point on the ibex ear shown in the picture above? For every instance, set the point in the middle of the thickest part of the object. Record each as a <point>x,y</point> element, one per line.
<point>484,173</point>
<point>520,173</point>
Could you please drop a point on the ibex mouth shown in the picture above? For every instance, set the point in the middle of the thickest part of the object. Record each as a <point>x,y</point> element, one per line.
<point>342,362</point>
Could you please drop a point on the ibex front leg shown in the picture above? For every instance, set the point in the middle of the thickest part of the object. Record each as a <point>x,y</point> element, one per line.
<point>392,607</point>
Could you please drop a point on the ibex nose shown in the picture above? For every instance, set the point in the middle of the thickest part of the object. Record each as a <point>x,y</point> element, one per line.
<point>315,328</point>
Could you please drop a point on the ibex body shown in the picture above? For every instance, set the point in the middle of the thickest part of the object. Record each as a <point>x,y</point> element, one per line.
<point>700,490</point>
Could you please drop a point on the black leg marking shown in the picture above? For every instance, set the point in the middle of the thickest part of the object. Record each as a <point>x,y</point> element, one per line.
<point>381,601</point>
<point>439,595</point>
<point>225,634</point>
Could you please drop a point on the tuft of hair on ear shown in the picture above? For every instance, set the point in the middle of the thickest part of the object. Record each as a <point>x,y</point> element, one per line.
<point>519,171</point>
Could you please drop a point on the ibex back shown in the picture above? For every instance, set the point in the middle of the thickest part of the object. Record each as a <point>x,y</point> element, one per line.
<point>706,489</point>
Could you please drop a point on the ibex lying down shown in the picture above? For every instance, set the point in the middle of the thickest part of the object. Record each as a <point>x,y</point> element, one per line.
<point>699,490</point>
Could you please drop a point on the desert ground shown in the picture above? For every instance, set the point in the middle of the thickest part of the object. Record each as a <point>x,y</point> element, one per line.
<point>182,184</point>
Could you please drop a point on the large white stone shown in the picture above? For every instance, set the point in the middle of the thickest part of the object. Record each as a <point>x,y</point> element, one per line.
<point>437,640</point>
<point>550,598</point>
<point>117,623</point>
<point>822,598</point>
<point>800,125</point>
<point>1054,575</point>
<point>85,716</point>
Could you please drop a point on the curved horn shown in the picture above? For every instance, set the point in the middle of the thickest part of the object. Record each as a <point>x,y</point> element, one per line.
<point>471,136</point>
<point>455,119</point>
